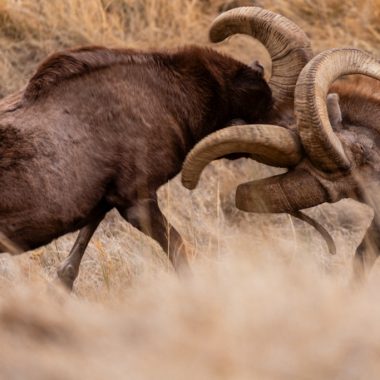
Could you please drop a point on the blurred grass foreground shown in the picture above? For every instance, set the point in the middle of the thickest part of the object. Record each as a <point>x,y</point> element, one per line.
<point>266,300</point>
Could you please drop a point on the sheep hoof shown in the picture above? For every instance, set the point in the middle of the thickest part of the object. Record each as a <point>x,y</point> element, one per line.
<point>67,275</point>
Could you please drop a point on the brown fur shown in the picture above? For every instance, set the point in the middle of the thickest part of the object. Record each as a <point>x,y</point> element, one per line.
<point>68,64</point>
<point>97,128</point>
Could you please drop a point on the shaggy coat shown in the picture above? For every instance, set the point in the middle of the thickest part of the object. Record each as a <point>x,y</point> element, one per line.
<point>97,128</point>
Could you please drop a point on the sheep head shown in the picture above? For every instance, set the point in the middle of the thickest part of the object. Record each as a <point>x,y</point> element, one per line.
<point>327,158</point>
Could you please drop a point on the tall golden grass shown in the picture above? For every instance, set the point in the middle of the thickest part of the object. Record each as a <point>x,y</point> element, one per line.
<point>266,300</point>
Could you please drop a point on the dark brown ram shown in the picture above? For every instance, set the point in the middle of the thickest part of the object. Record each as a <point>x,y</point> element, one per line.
<point>332,151</point>
<point>98,128</point>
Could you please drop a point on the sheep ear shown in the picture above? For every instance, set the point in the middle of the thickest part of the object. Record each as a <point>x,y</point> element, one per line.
<point>333,110</point>
<point>257,66</point>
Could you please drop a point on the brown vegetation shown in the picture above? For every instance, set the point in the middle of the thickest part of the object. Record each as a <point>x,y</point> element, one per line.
<point>266,300</point>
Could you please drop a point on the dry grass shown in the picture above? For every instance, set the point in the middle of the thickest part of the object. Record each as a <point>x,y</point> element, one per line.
<point>266,300</point>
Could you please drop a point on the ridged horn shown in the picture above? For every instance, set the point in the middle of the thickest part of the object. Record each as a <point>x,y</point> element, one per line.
<point>287,44</point>
<point>268,144</point>
<point>284,193</point>
<point>319,140</point>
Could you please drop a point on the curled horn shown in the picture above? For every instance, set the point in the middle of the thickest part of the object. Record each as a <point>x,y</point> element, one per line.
<point>318,138</point>
<point>268,144</point>
<point>284,193</point>
<point>287,44</point>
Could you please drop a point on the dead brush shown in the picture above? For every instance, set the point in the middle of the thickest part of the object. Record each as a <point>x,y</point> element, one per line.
<point>264,309</point>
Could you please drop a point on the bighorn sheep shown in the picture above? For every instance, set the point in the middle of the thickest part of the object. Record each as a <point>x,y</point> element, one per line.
<point>98,128</point>
<point>331,153</point>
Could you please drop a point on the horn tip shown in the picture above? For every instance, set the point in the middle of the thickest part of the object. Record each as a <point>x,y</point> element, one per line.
<point>189,184</point>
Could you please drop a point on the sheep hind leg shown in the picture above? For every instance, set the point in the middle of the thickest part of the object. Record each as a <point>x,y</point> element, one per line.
<point>146,216</point>
<point>68,270</point>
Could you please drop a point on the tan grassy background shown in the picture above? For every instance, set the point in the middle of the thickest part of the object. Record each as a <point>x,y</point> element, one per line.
<point>266,300</point>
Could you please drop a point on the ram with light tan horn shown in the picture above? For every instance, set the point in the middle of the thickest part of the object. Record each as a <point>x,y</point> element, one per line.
<point>340,135</point>
<point>88,131</point>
